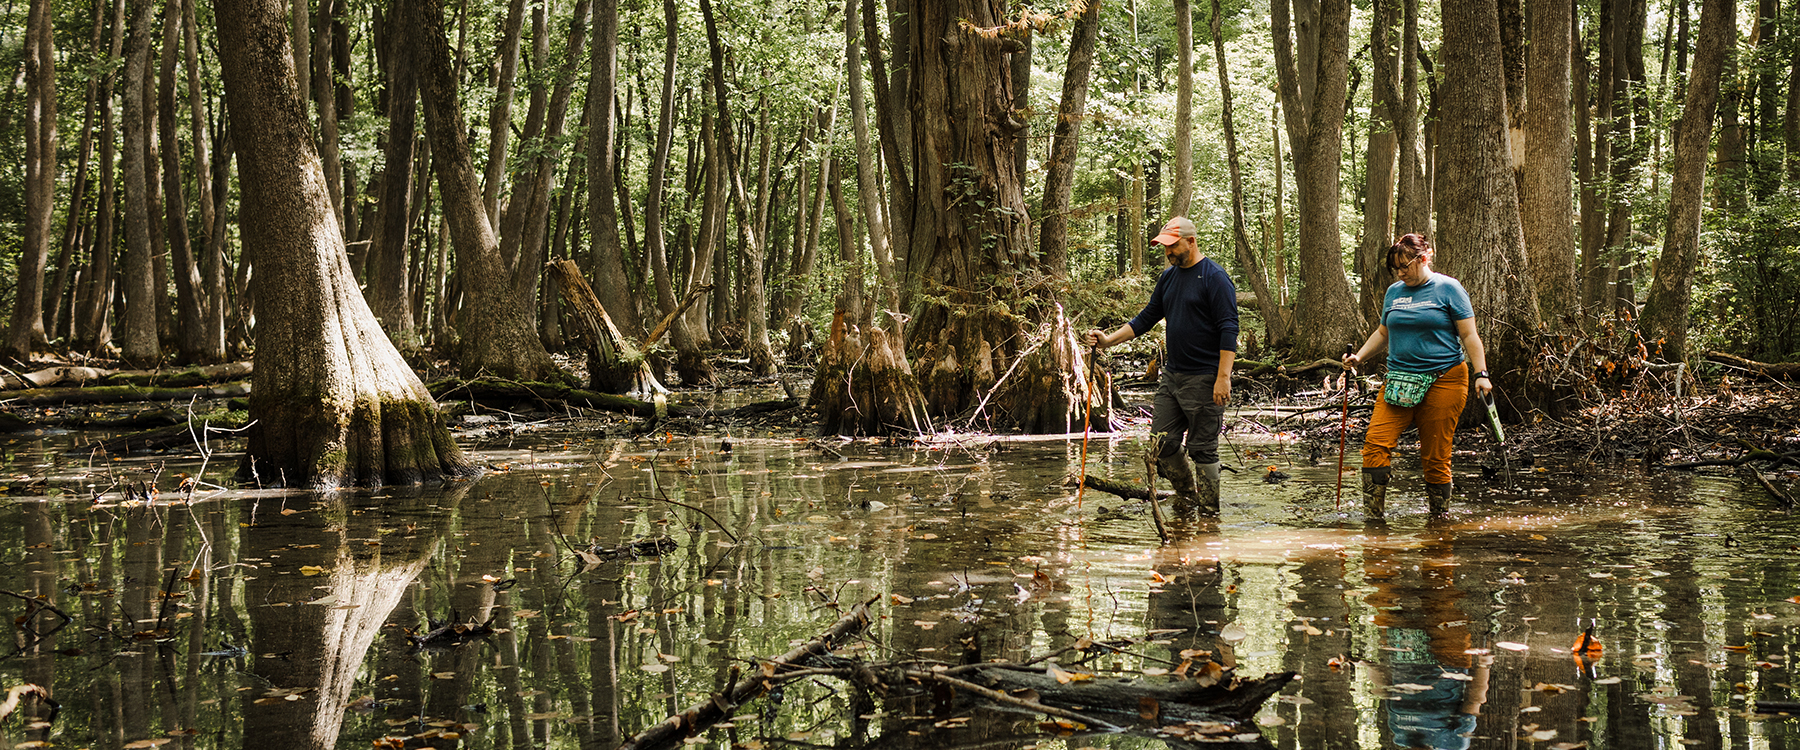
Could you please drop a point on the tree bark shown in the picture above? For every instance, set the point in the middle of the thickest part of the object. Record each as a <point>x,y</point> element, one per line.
<point>756,345</point>
<point>92,325</point>
<point>390,283</point>
<point>1181,191</point>
<point>26,332</point>
<point>1268,301</point>
<point>138,341</point>
<point>989,306</point>
<point>190,302</point>
<point>1481,241</point>
<point>333,401</point>
<point>894,122</point>
<point>1544,188</point>
<point>1666,311</point>
<point>212,229</point>
<point>500,114</point>
<point>868,192</point>
<point>614,285</point>
<point>1312,100</point>
<point>498,336</point>
<point>1378,193</point>
<point>1412,199</point>
<point>1059,172</point>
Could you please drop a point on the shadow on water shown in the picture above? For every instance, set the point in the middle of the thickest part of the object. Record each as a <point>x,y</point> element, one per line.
<point>462,616</point>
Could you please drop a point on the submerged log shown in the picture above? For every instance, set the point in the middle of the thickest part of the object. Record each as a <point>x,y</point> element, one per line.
<point>1122,489</point>
<point>703,715</point>
<point>1223,698</point>
<point>10,381</point>
<point>116,394</point>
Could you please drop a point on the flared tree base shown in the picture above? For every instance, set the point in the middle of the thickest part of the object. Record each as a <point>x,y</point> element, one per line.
<point>326,444</point>
<point>1033,382</point>
<point>864,386</point>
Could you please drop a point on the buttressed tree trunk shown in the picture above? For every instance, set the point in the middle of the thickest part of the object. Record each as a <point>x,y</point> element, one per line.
<point>987,309</point>
<point>498,330</point>
<point>1666,311</point>
<point>1480,240</point>
<point>333,403</point>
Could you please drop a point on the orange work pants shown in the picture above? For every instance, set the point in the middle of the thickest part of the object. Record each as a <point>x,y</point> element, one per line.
<point>1436,418</point>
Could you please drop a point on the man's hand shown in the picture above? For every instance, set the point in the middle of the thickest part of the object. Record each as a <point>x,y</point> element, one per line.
<point>1222,389</point>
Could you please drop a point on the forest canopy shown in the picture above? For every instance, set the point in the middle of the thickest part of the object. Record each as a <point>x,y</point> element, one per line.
<point>948,184</point>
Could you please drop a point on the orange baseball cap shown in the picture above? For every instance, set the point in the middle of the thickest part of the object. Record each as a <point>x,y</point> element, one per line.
<point>1175,231</point>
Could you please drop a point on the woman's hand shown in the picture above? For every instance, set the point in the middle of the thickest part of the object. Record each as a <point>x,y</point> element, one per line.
<point>1483,386</point>
<point>1351,361</point>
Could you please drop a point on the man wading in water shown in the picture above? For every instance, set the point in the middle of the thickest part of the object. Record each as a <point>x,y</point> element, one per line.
<point>1198,299</point>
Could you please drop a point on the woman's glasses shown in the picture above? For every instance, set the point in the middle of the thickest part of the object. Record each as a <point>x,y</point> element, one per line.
<point>1403,266</point>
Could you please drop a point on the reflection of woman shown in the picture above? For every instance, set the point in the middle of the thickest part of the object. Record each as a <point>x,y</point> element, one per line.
<point>1428,327</point>
<point>1434,687</point>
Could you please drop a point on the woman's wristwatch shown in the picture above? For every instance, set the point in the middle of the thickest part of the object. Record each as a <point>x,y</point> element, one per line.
<point>1482,374</point>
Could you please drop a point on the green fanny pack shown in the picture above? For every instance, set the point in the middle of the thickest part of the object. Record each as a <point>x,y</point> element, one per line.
<point>1407,389</point>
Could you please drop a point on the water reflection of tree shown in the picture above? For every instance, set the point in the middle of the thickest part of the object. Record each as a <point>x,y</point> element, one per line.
<point>370,557</point>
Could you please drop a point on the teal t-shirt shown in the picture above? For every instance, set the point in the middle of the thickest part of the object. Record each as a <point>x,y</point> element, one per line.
<point>1421,323</point>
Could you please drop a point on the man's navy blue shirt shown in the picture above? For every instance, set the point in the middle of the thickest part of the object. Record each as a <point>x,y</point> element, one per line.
<point>1200,303</point>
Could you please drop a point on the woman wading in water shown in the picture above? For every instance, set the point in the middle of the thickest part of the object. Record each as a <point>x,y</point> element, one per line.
<point>1428,328</point>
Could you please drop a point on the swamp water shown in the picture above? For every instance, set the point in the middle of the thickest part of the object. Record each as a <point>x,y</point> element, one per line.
<point>265,619</point>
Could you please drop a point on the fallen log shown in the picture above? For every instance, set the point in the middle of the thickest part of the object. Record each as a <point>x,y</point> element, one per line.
<point>10,381</point>
<point>1781,371</point>
<point>497,390</point>
<point>720,706</point>
<point>183,378</point>
<point>184,434</point>
<point>1225,698</point>
<point>115,394</point>
<point>1121,489</point>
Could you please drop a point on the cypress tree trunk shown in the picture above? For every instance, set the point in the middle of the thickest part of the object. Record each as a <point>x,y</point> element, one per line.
<point>1544,189</point>
<point>1059,173</point>
<point>333,402</point>
<point>1480,239</point>
<point>1275,316</point>
<point>390,283</point>
<point>496,328</point>
<point>138,341</point>
<point>1666,311</point>
<point>1313,91</point>
<point>988,309</point>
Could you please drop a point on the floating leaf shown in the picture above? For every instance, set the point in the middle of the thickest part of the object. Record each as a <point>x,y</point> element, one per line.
<point>312,570</point>
<point>1232,633</point>
<point>1511,646</point>
<point>443,675</point>
<point>655,668</point>
<point>152,742</point>
<point>1149,709</point>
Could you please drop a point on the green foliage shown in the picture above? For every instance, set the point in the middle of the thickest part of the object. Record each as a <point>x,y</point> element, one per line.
<point>1749,286</point>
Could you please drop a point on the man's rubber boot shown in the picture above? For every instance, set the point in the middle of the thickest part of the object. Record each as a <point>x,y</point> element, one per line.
<point>1181,478</point>
<point>1438,495</point>
<point>1374,492</point>
<point>1207,488</point>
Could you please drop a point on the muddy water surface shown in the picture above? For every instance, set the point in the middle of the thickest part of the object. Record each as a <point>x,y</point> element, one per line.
<point>281,620</point>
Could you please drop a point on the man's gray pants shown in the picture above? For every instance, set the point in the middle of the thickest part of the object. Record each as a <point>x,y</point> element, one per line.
<point>1185,415</point>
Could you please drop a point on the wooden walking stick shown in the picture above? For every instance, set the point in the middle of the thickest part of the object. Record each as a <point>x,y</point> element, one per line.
<point>1343,437</point>
<point>1087,421</point>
